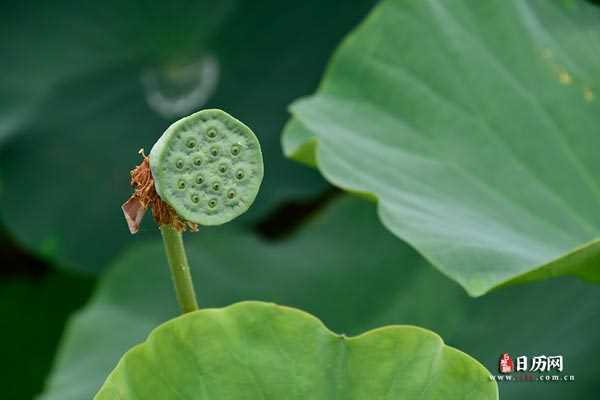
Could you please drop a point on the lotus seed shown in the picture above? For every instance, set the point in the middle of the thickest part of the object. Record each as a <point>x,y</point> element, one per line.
<point>211,132</point>
<point>212,143</point>
<point>191,143</point>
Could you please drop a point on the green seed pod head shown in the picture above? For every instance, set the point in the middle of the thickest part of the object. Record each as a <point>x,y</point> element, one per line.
<point>208,167</point>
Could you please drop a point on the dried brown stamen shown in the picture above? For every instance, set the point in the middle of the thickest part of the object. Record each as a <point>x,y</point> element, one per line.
<point>144,197</point>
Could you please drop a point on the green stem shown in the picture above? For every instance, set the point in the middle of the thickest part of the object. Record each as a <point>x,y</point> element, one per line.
<point>180,270</point>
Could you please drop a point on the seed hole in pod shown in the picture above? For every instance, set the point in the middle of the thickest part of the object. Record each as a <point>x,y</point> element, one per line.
<point>212,203</point>
<point>216,186</point>
<point>214,151</point>
<point>199,179</point>
<point>240,174</point>
<point>179,164</point>
<point>211,132</point>
<point>223,168</point>
<point>195,198</point>
<point>181,184</point>
<point>231,194</point>
<point>197,161</point>
<point>236,149</point>
<point>191,143</point>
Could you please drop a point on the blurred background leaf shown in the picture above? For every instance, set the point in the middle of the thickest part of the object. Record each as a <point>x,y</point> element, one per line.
<point>364,280</point>
<point>34,305</point>
<point>96,82</point>
<point>476,126</point>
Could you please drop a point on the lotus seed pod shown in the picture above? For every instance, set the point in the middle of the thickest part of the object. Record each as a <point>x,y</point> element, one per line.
<point>208,167</point>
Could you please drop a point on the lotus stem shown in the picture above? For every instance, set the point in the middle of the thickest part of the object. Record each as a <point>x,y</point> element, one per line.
<point>180,270</point>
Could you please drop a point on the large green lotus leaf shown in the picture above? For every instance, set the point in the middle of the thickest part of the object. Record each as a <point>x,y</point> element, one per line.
<point>475,124</point>
<point>108,79</point>
<point>33,310</point>
<point>256,350</point>
<point>363,280</point>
